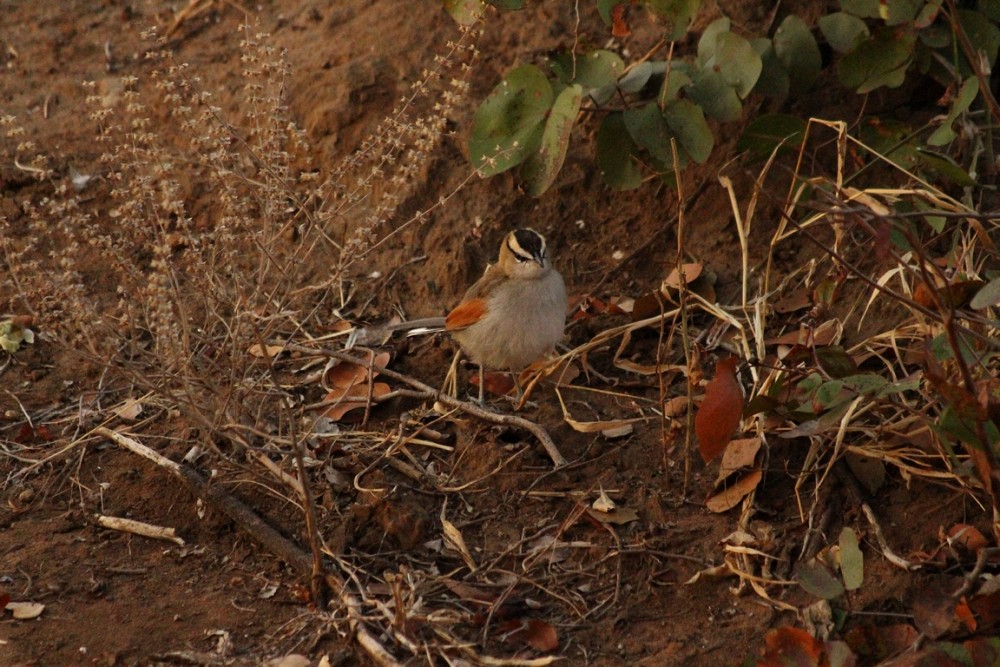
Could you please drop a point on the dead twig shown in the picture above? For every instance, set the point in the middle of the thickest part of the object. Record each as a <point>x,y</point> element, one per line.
<point>431,393</point>
<point>264,534</point>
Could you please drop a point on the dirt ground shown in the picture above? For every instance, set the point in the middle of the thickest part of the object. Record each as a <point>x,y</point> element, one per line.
<point>112,598</point>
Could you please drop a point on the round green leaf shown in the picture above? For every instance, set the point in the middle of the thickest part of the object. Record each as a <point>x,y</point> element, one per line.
<point>843,31</point>
<point>678,14</point>
<point>798,52</point>
<point>965,97</point>
<point>773,80</point>
<point>817,579</point>
<point>711,92</point>
<point>876,62</point>
<point>592,70</point>
<point>989,295</point>
<point>706,45</point>
<point>687,121</point>
<point>865,9</point>
<point>852,563</point>
<point>648,128</point>
<point>737,61</point>
<point>770,132</point>
<point>616,154</point>
<point>465,12</point>
<point>540,169</point>
<point>508,125</point>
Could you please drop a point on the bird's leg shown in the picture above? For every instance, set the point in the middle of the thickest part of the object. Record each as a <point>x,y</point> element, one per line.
<point>482,384</point>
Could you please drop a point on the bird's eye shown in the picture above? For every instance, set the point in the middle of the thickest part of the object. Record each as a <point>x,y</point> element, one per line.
<point>521,259</point>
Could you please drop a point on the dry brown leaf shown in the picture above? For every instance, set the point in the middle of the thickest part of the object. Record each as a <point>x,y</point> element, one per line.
<point>675,407</point>
<point>603,503</point>
<point>130,410</point>
<point>691,272</point>
<point>739,454</point>
<point>268,351</point>
<point>453,538</point>
<point>534,632</point>
<point>351,398</point>
<point>823,335</point>
<point>618,432</point>
<point>24,611</point>
<point>618,516</point>
<point>720,412</point>
<point>729,497</point>
<point>797,300</point>
<point>343,374</point>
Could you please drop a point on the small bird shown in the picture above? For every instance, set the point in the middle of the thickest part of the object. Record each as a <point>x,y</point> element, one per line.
<point>516,312</point>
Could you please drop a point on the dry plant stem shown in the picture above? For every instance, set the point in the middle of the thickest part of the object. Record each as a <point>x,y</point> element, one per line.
<point>682,307</point>
<point>430,393</point>
<point>263,533</point>
<point>317,579</point>
<point>974,60</point>
<point>138,528</point>
<point>846,478</point>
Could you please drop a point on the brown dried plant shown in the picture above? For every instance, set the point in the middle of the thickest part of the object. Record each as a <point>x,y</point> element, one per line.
<point>219,235</point>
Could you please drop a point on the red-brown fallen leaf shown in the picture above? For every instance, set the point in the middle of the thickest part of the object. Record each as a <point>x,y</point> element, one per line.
<point>987,610</point>
<point>619,26</point>
<point>726,499</point>
<point>720,412</point>
<point>345,374</point>
<point>739,454</point>
<point>878,643</point>
<point>965,615</point>
<point>691,272</point>
<point>797,300</point>
<point>534,632</point>
<point>498,384</point>
<point>968,537</point>
<point>353,397</point>
<point>790,646</point>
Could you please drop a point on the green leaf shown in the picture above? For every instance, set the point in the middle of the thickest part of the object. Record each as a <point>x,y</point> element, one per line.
<point>866,9</point>
<point>989,295</point>
<point>852,562</point>
<point>865,383</point>
<point>880,61</point>
<point>648,128</point>
<point>706,45</point>
<point>616,154</point>
<point>773,80</point>
<point>798,52</point>
<point>737,61</point>
<point>507,4</point>
<point>687,121</point>
<point>816,579</point>
<point>835,361</point>
<point>678,15</point>
<point>508,125</point>
<point>982,33</point>
<point>596,69</point>
<point>896,12</point>
<point>771,131</point>
<point>966,95</point>
<point>830,393</point>
<point>465,12</point>
<point>674,83</point>
<point>604,8</point>
<point>945,167</point>
<point>843,31</point>
<point>540,169</point>
<point>711,92</point>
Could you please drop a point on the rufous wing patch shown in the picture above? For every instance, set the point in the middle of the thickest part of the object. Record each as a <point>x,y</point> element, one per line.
<point>465,314</point>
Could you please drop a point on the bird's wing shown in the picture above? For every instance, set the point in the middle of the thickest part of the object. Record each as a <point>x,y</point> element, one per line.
<point>473,307</point>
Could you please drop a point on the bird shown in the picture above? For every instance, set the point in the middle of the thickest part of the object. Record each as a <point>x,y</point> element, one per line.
<point>516,312</point>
